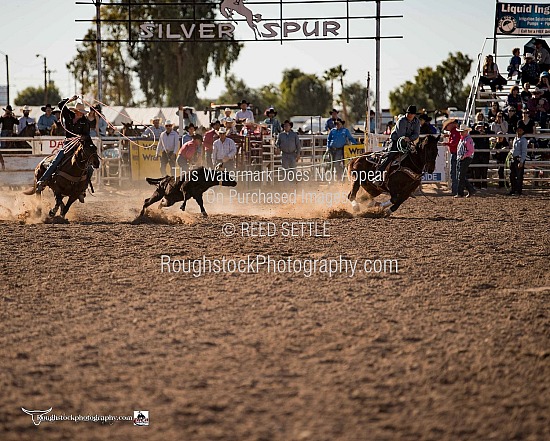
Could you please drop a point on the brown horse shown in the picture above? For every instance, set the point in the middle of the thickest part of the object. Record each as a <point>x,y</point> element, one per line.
<point>402,179</point>
<point>71,177</point>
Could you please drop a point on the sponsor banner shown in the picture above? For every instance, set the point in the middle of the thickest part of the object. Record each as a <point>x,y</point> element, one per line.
<point>142,157</point>
<point>353,150</point>
<point>522,19</point>
<point>50,145</point>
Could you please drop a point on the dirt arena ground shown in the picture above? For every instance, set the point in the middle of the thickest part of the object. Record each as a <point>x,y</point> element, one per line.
<point>455,346</point>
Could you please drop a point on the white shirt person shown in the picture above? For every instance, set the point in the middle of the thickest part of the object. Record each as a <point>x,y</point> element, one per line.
<point>224,150</point>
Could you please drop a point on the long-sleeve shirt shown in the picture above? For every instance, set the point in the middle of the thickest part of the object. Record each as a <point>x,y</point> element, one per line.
<point>184,121</point>
<point>208,140</point>
<point>224,149</point>
<point>24,121</point>
<point>45,122</point>
<point>404,127</point>
<point>330,124</point>
<point>246,114</point>
<point>168,142</point>
<point>465,147</point>
<point>501,126</point>
<point>80,127</point>
<point>8,122</point>
<point>289,143</point>
<point>188,150</point>
<point>454,139</point>
<point>274,124</point>
<point>337,138</point>
<point>519,148</point>
<point>153,132</point>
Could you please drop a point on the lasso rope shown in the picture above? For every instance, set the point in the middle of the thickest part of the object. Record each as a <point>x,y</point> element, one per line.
<point>114,128</point>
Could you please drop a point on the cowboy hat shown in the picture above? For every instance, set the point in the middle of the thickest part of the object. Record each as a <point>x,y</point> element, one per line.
<point>168,123</point>
<point>47,106</point>
<point>222,130</point>
<point>155,118</point>
<point>8,108</point>
<point>227,109</point>
<point>189,126</point>
<point>333,111</point>
<point>79,107</point>
<point>529,55</point>
<point>288,122</point>
<point>341,121</point>
<point>447,122</point>
<point>26,108</point>
<point>243,101</point>
<point>411,109</point>
<point>270,110</point>
<point>425,117</point>
<point>464,128</point>
<point>213,123</point>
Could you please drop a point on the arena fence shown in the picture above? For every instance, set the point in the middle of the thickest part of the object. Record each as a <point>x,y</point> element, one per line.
<point>124,161</point>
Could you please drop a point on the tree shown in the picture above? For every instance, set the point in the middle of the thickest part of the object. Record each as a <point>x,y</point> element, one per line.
<point>261,98</point>
<point>329,76</point>
<point>303,94</point>
<point>355,95</point>
<point>436,88</point>
<point>34,96</point>
<point>168,72</point>
<point>341,72</point>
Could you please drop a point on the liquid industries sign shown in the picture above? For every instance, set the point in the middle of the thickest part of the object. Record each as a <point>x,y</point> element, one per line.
<point>522,19</point>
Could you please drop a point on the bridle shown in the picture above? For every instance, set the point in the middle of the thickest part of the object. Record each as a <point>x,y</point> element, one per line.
<point>87,160</point>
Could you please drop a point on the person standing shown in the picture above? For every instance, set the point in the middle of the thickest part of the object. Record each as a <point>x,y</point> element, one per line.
<point>502,146</point>
<point>517,165</point>
<point>8,122</point>
<point>426,128</point>
<point>167,147</point>
<point>272,122</point>
<point>450,126</point>
<point>331,122</point>
<point>208,142</point>
<point>224,150</point>
<point>464,154</point>
<point>337,139</point>
<point>290,146</point>
<point>155,130</point>
<point>186,118</point>
<point>245,113</point>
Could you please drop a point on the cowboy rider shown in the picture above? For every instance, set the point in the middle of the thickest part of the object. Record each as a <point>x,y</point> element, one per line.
<point>76,126</point>
<point>407,127</point>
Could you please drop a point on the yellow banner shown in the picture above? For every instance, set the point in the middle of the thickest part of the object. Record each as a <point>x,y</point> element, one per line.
<point>353,150</point>
<point>142,157</point>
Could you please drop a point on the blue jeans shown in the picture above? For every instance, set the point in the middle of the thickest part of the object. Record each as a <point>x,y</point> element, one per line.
<point>454,180</point>
<point>4,144</point>
<point>288,160</point>
<point>53,166</point>
<point>337,158</point>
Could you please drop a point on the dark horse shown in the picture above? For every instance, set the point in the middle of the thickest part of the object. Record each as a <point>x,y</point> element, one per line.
<point>402,178</point>
<point>71,177</point>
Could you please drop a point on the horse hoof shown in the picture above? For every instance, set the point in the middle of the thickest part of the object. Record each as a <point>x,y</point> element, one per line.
<point>51,213</point>
<point>355,206</point>
<point>387,213</point>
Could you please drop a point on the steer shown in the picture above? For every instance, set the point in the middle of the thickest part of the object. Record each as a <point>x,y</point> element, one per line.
<point>191,185</point>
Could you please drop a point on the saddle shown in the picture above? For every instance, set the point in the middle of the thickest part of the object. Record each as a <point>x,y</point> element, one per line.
<point>393,167</point>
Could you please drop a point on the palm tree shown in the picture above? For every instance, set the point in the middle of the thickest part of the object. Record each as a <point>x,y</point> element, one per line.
<point>329,76</point>
<point>340,72</point>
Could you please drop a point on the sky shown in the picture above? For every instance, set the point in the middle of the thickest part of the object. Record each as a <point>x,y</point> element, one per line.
<point>431,29</point>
